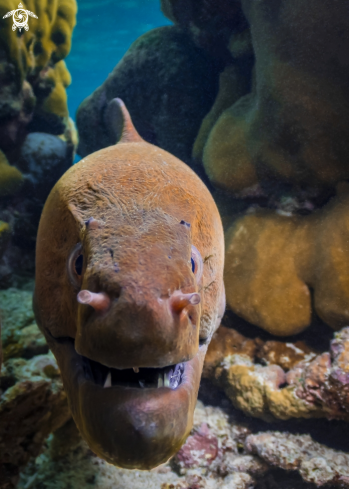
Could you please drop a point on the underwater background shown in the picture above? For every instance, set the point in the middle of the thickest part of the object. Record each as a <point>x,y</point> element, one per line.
<point>103,33</point>
<point>252,96</point>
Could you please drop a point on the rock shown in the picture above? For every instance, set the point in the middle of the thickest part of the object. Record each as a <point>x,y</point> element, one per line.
<point>43,160</point>
<point>176,100</point>
<point>209,22</point>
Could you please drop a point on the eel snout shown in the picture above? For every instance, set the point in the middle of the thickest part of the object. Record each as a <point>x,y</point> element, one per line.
<point>152,331</point>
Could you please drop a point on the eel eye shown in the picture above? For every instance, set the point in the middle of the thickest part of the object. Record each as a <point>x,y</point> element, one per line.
<point>197,264</point>
<point>75,265</point>
<point>192,265</point>
<point>79,262</point>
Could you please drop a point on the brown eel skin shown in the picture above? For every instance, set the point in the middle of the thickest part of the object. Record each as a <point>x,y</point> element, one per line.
<point>129,291</point>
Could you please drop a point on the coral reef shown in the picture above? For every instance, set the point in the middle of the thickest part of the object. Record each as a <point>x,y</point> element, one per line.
<point>34,124</point>
<point>32,401</point>
<point>293,382</point>
<point>315,462</point>
<point>30,409</point>
<point>167,109</point>
<point>28,61</point>
<point>20,334</point>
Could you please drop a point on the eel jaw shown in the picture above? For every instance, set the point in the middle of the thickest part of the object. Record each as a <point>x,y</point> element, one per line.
<point>127,425</point>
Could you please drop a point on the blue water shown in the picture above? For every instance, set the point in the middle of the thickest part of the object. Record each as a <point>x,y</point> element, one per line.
<point>104,31</point>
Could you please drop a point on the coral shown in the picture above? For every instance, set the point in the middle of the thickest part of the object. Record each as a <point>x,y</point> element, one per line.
<point>286,355</point>
<point>20,334</point>
<point>51,113</point>
<point>33,79</point>
<point>32,57</point>
<point>233,84</point>
<point>225,342</point>
<point>259,391</point>
<point>42,159</point>
<point>316,463</point>
<point>316,386</point>
<point>176,100</point>
<point>214,449</point>
<point>31,408</point>
<point>32,401</point>
<point>11,178</point>
<point>293,127</point>
<point>273,260</point>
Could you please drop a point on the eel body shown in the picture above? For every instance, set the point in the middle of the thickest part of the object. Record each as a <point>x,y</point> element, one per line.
<point>129,290</point>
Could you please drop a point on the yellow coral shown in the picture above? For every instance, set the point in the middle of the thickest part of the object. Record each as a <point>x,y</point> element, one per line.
<point>48,37</point>
<point>56,102</point>
<point>255,390</point>
<point>231,88</point>
<point>272,261</point>
<point>37,54</point>
<point>10,177</point>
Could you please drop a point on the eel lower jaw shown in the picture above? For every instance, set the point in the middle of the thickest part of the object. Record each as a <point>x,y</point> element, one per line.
<point>127,424</point>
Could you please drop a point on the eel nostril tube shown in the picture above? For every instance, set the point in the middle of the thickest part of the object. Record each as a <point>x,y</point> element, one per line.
<point>179,301</point>
<point>99,301</point>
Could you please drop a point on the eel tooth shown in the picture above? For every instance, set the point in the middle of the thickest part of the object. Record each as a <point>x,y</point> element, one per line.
<point>167,378</point>
<point>107,382</point>
<point>160,380</point>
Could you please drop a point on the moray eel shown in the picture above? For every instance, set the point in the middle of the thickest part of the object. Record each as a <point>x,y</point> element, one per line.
<point>129,290</point>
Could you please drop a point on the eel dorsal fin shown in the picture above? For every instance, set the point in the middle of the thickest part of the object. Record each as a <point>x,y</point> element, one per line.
<point>119,123</point>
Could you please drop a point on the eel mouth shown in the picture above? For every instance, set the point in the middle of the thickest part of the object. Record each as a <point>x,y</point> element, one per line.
<point>136,378</point>
<point>135,417</point>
